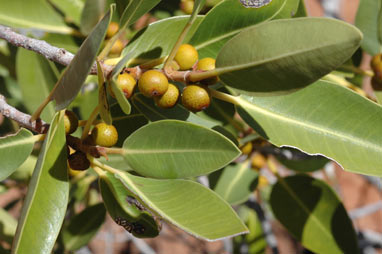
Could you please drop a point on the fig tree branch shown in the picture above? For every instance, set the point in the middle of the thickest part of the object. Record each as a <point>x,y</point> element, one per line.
<point>21,118</point>
<point>43,48</point>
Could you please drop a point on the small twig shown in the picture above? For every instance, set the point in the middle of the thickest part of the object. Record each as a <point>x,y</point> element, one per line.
<point>23,119</point>
<point>43,48</point>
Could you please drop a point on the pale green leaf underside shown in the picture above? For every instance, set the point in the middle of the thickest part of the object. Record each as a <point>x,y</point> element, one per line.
<point>188,205</point>
<point>177,149</point>
<point>367,21</point>
<point>227,19</point>
<point>14,150</point>
<point>236,183</point>
<point>284,55</point>
<point>75,74</point>
<point>312,212</point>
<point>35,78</point>
<point>322,118</point>
<point>45,204</point>
<point>32,14</point>
<point>136,9</point>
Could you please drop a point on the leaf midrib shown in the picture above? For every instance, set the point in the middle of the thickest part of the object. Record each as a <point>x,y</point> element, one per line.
<point>128,151</point>
<point>236,179</point>
<point>339,135</point>
<point>232,68</point>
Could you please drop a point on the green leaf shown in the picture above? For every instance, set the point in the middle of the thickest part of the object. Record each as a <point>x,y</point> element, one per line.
<point>45,204</point>
<point>301,11</point>
<point>62,41</point>
<point>323,118</point>
<point>14,150</point>
<point>289,10</point>
<point>103,104</point>
<point>236,183</point>
<point>158,39</point>
<point>83,226</point>
<point>8,226</point>
<point>126,125</point>
<point>255,240</point>
<point>311,211</point>
<point>177,149</point>
<point>119,94</point>
<point>122,205</point>
<point>188,205</point>
<point>134,10</point>
<point>148,108</point>
<point>301,162</point>
<point>75,74</point>
<point>214,31</point>
<point>198,6</point>
<point>92,13</point>
<point>71,8</point>
<point>299,50</point>
<point>367,20</point>
<point>37,14</point>
<point>36,78</point>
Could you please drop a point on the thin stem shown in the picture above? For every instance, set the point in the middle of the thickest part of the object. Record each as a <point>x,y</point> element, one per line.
<point>358,70</point>
<point>99,164</point>
<point>177,45</point>
<point>98,170</point>
<point>224,97</point>
<point>37,113</point>
<point>197,75</point>
<point>152,63</point>
<point>89,122</point>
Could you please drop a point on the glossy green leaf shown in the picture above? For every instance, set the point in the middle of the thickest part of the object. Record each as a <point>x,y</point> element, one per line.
<point>311,211</point>
<point>198,6</point>
<point>134,10</point>
<point>155,150</point>
<point>236,183</point>
<point>62,41</point>
<point>300,161</point>
<point>299,50</point>
<point>122,204</point>
<point>75,74</point>
<point>367,20</point>
<point>83,226</point>
<point>148,108</point>
<point>289,10</point>
<point>158,39</point>
<point>45,204</point>
<point>188,205</point>
<point>323,118</point>
<point>119,94</point>
<point>301,11</point>
<point>14,150</point>
<point>25,171</point>
<point>103,104</point>
<point>36,14</point>
<point>8,226</point>
<point>92,13</point>
<point>71,8</point>
<point>36,79</point>
<point>126,125</point>
<point>215,31</point>
<point>255,239</point>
